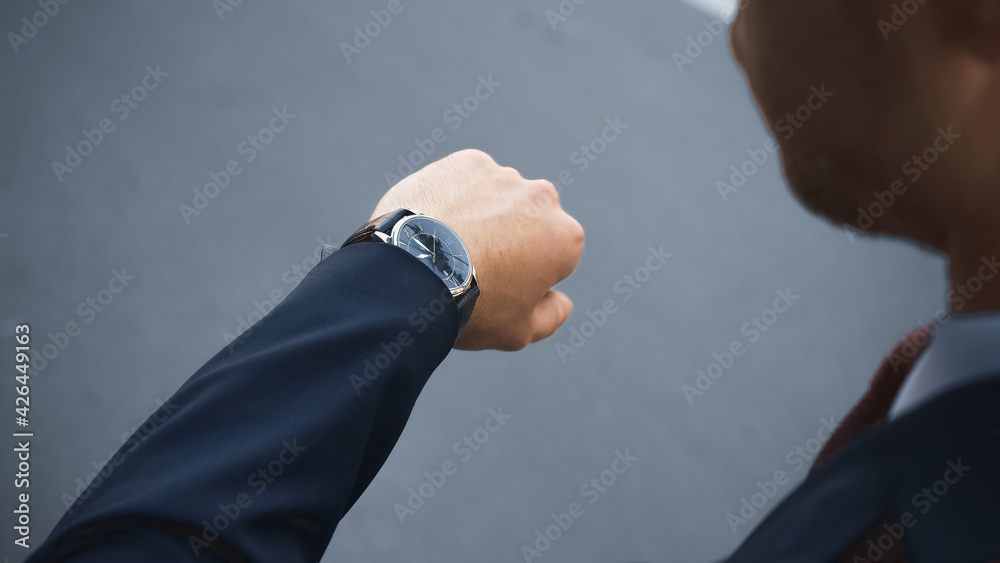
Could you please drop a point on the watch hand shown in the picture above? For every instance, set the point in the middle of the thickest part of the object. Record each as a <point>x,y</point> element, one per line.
<point>422,245</point>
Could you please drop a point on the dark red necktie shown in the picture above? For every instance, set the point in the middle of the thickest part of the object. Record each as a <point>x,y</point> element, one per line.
<point>872,409</point>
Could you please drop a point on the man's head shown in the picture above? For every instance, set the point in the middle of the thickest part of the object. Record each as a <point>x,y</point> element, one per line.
<point>902,73</point>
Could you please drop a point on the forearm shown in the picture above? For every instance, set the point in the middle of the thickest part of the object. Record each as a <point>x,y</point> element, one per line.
<point>288,426</point>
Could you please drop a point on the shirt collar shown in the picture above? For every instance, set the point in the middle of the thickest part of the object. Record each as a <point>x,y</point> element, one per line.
<point>964,350</point>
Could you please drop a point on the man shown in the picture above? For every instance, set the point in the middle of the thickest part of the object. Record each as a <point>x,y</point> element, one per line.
<point>271,442</point>
<point>261,453</point>
<point>906,148</point>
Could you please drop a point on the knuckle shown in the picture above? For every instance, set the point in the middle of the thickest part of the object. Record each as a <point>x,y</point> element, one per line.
<point>510,172</point>
<point>575,232</point>
<point>476,156</point>
<point>544,189</point>
<point>541,197</point>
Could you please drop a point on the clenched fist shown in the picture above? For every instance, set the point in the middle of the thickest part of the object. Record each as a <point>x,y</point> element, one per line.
<point>520,240</point>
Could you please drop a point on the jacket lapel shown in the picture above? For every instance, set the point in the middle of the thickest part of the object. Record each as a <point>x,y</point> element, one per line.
<point>853,503</point>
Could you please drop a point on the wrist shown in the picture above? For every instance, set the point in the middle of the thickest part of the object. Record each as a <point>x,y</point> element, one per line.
<point>434,244</point>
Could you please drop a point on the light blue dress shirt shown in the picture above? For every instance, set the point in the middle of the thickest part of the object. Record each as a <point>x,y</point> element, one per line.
<point>964,350</point>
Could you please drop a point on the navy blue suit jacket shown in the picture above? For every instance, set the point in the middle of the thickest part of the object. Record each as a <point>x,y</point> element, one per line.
<point>260,454</point>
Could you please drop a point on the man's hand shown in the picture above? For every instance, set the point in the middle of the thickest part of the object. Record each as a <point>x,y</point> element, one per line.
<point>520,240</point>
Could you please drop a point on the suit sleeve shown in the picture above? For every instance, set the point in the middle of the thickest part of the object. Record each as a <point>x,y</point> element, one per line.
<point>259,455</point>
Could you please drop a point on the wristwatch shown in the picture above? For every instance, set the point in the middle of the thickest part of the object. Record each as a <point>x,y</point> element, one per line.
<point>433,243</point>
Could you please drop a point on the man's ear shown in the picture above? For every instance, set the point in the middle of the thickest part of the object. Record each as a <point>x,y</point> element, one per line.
<point>973,25</point>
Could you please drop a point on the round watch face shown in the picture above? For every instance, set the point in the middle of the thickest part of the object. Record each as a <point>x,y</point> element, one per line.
<point>437,246</point>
